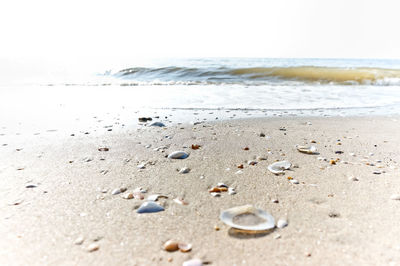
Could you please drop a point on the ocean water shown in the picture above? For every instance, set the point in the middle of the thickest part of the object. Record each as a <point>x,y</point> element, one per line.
<point>43,94</point>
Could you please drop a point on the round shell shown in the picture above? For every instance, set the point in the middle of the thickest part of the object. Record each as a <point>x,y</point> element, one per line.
<point>178,155</point>
<point>279,167</point>
<point>259,220</point>
<point>306,149</point>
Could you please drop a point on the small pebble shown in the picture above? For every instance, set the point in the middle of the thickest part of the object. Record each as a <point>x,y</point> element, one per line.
<point>274,200</point>
<point>141,166</point>
<point>128,196</point>
<point>231,191</point>
<point>294,181</point>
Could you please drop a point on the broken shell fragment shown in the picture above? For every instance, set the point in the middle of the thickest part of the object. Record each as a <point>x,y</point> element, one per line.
<point>183,247</point>
<point>193,262</point>
<point>180,201</point>
<point>103,149</point>
<point>248,217</point>
<point>279,167</point>
<point>149,207</point>
<point>195,146</point>
<point>171,246</point>
<point>307,149</point>
<point>178,155</point>
<point>281,223</point>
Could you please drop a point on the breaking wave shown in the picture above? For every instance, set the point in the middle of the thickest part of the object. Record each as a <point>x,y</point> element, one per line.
<point>259,75</point>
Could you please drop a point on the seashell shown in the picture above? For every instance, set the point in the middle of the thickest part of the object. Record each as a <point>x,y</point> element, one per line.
<point>193,262</point>
<point>138,195</point>
<point>141,166</point>
<point>278,167</point>
<point>178,155</point>
<point>118,190</point>
<point>221,185</point>
<point>294,181</point>
<point>79,240</point>
<point>184,170</point>
<point>215,194</point>
<point>251,162</point>
<point>144,119</point>
<point>157,124</point>
<point>171,246</point>
<point>30,185</point>
<point>352,178</point>
<point>183,247</point>
<point>307,149</point>
<point>255,219</point>
<point>103,149</point>
<point>281,223</point>
<point>149,207</point>
<point>395,197</point>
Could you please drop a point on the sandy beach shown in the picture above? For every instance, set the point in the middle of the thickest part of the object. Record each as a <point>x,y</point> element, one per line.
<point>57,193</point>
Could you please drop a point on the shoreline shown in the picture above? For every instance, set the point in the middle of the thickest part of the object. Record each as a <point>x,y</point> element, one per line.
<point>332,220</point>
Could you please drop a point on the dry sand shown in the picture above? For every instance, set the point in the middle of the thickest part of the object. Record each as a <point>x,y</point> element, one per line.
<point>332,220</point>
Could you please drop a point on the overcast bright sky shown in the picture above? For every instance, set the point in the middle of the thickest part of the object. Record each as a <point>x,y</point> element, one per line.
<point>171,28</point>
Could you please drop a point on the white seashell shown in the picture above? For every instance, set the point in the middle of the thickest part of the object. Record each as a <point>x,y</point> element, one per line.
<point>118,190</point>
<point>184,170</point>
<point>294,181</point>
<point>278,167</point>
<point>149,207</point>
<point>221,185</point>
<point>79,240</point>
<point>193,262</point>
<point>307,149</point>
<point>93,247</point>
<point>395,197</point>
<point>141,166</point>
<point>178,155</point>
<point>258,219</point>
<point>157,124</point>
<point>281,223</point>
<point>153,197</point>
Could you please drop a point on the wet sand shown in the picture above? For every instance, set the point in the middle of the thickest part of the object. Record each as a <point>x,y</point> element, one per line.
<point>331,220</point>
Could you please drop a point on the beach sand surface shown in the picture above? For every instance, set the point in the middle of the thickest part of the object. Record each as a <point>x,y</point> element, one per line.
<point>56,188</point>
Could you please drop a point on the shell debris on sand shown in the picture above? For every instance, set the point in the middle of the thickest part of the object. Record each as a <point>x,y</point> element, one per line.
<point>178,155</point>
<point>172,245</point>
<point>307,149</point>
<point>184,170</point>
<point>150,207</point>
<point>279,167</point>
<point>247,218</point>
<point>118,190</point>
<point>193,262</point>
<point>281,223</point>
<point>157,124</point>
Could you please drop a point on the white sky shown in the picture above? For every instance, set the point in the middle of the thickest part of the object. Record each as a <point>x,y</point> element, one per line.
<point>64,29</point>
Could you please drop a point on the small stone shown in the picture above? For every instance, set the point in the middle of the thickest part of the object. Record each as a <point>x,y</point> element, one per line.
<point>144,119</point>
<point>395,197</point>
<point>261,158</point>
<point>215,194</point>
<point>294,181</point>
<point>216,228</point>
<point>334,215</point>
<point>274,200</point>
<point>262,135</point>
<point>277,236</point>
<point>184,170</point>
<point>377,172</point>
<point>79,240</point>
<point>103,149</point>
<point>30,185</point>
<point>93,247</point>
<point>352,154</point>
<point>171,246</point>
<point>281,223</point>
<point>251,162</point>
